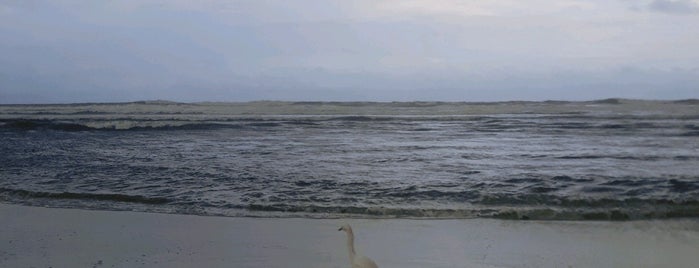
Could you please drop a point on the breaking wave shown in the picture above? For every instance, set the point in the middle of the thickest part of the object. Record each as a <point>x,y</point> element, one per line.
<point>19,193</point>
<point>124,125</point>
<point>523,207</point>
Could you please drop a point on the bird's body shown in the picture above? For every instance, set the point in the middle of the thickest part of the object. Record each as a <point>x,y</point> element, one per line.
<point>357,261</point>
<point>363,262</point>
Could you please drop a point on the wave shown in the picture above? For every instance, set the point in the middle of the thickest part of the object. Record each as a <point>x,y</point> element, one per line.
<point>608,101</point>
<point>85,196</point>
<point>360,118</point>
<point>522,207</point>
<point>618,157</point>
<point>690,134</point>
<point>688,101</point>
<point>43,124</point>
<point>476,124</point>
<point>665,211</point>
<point>25,125</point>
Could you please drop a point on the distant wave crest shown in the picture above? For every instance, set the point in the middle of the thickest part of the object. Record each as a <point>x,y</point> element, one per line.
<point>116,125</point>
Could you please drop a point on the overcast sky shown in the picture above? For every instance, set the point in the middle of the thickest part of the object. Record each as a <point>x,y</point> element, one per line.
<point>375,50</point>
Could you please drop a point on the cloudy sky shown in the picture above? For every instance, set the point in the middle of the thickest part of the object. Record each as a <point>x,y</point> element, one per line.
<point>377,50</point>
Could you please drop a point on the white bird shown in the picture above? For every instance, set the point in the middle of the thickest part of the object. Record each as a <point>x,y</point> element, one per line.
<point>357,261</point>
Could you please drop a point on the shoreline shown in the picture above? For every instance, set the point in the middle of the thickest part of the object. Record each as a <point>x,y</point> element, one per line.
<point>59,237</point>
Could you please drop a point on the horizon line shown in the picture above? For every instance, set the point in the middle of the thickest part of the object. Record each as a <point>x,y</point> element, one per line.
<point>613,100</point>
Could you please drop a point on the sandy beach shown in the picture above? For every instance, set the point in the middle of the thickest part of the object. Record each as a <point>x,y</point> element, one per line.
<point>51,237</point>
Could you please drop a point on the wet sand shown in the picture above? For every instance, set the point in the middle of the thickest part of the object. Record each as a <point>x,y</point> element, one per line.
<point>50,237</point>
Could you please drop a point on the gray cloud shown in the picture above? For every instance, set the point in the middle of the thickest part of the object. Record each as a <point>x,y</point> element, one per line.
<point>674,6</point>
<point>76,51</point>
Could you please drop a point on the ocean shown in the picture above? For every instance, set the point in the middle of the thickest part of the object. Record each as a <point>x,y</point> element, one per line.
<point>613,159</point>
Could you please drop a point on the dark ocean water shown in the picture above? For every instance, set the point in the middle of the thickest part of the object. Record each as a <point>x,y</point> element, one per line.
<point>602,161</point>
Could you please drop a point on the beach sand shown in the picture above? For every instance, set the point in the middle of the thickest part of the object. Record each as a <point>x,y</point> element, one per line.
<point>51,237</point>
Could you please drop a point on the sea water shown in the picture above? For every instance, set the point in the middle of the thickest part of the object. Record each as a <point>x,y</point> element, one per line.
<point>601,160</point>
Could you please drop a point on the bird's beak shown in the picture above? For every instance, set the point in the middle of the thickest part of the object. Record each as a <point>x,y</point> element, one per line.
<point>340,229</point>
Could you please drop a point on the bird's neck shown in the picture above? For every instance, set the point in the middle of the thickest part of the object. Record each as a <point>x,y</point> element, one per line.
<point>350,244</point>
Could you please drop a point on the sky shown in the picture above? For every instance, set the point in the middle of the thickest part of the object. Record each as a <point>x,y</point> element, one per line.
<point>67,51</point>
